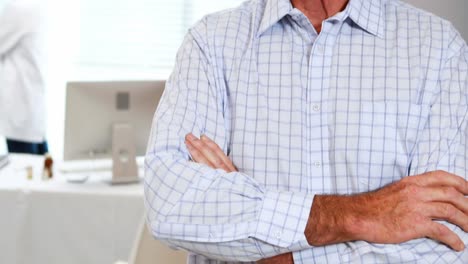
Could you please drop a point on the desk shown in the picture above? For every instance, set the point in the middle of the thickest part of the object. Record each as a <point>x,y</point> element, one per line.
<point>59,222</point>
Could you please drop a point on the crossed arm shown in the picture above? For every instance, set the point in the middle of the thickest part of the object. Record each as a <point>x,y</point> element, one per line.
<point>396,213</point>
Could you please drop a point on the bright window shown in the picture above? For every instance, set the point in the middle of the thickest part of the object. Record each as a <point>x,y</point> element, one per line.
<point>114,40</point>
<point>135,38</point>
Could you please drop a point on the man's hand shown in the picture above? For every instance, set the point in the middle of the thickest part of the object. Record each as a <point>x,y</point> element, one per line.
<point>206,151</point>
<point>396,213</point>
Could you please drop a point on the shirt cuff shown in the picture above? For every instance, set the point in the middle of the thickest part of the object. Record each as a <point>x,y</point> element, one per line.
<point>283,218</point>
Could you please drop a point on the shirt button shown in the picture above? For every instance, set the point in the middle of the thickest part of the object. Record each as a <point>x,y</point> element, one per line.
<point>316,107</point>
<point>317,164</point>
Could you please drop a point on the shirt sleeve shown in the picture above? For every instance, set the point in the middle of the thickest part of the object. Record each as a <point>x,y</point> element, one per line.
<point>443,143</point>
<point>224,216</point>
<point>460,163</point>
<point>17,19</point>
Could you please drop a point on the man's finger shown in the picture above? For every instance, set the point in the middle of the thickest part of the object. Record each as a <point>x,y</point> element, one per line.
<point>441,178</point>
<point>213,159</point>
<point>215,148</point>
<point>197,156</point>
<point>441,233</point>
<point>447,212</point>
<point>448,195</point>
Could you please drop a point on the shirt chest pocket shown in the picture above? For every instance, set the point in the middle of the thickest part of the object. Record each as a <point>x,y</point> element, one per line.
<point>375,142</point>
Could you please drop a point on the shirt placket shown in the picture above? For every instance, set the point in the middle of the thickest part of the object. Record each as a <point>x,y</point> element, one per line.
<point>320,64</point>
<point>319,67</point>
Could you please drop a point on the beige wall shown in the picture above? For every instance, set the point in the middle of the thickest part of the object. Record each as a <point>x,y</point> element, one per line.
<point>452,10</point>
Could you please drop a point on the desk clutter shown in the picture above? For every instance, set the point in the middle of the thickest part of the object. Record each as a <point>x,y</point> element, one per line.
<point>47,171</point>
<point>45,168</point>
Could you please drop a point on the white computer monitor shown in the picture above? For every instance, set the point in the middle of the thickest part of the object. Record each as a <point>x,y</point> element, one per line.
<point>108,118</point>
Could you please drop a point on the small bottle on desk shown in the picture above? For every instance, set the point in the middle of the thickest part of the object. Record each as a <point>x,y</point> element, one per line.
<point>48,167</point>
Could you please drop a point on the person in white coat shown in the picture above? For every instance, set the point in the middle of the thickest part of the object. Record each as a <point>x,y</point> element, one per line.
<point>22,71</point>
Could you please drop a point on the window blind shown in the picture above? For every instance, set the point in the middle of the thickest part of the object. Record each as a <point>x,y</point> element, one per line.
<point>135,38</point>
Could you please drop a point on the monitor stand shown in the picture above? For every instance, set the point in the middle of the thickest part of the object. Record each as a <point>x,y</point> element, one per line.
<point>124,166</point>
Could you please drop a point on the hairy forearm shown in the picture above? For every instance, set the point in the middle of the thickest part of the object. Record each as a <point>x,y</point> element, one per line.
<point>394,214</point>
<point>330,220</point>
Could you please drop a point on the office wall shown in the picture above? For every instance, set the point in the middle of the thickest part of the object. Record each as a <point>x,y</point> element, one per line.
<point>452,10</point>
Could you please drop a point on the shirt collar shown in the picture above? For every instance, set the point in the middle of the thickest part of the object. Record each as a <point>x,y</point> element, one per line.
<point>274,11</point>
<point>367,14</point>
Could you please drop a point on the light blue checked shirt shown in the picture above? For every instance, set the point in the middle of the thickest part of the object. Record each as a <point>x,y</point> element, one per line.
<point>379,94</point>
